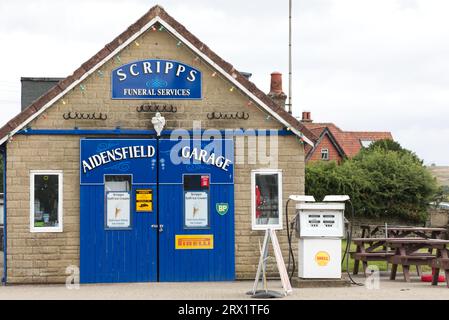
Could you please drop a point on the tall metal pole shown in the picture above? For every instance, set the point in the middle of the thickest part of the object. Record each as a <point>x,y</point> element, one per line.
<point>290,59</point>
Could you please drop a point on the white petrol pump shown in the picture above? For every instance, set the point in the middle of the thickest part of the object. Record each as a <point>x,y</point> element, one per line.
<point>320,228</point>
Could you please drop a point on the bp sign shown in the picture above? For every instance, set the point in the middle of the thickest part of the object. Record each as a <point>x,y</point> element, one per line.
<point>222,208</point>
<point>156,79</point>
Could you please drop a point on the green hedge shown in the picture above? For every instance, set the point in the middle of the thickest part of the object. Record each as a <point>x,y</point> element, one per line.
<point>382,183</point>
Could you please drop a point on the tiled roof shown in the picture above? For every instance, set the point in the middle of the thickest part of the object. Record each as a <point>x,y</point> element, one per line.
<point>157,11</point>
<point>349,141</point>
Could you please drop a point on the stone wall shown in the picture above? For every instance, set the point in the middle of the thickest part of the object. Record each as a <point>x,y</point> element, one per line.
<point>438,217</point>
<point>43,257</point>
<point>358,221</point>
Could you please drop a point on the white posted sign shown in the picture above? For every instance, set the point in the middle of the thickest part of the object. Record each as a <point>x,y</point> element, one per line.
<point>118,210</point>
<point>196,210</point>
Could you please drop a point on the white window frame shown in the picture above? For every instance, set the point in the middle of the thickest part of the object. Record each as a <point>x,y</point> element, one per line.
<point>59,228</point>
<point>325,150</point>
<point>278,226</point>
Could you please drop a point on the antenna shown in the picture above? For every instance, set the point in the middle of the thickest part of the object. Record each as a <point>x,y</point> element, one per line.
<point>290,59</point>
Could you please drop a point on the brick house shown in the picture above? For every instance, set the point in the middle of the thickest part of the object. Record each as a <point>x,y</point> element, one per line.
<point>91,182</point>
<point>334,144</point>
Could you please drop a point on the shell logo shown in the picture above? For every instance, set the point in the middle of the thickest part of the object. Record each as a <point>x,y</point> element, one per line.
<point>322,258</point>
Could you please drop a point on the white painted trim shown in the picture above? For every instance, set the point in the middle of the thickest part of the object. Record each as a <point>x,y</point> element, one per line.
<point>191,46</point>
<point>278,226</point>
<point>59,228</point>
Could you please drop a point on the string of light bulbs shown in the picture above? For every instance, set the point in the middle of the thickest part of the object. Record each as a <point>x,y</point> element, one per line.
<point>213,73</point>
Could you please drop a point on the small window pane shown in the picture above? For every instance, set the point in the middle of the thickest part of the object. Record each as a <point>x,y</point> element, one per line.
<point>46,197</point>
<point>366,143</point>
<point>324,154</point>
<point>267,202</point>
<point>117,183</point>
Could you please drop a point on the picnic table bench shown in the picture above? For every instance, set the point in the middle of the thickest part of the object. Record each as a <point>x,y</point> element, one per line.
<point>406,254</point>
<point>367,249</point>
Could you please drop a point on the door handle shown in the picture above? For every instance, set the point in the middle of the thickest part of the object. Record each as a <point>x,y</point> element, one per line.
<point>160,227</point>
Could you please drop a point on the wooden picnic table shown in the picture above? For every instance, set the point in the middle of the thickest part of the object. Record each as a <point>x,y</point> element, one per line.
<point>423,232</point>
<point>393,231</point>
<point>406,254</point>
<point>372,230</point>
<point>367,249</point>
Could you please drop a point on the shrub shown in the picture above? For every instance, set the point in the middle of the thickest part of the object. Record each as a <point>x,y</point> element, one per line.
<point>382,183</point>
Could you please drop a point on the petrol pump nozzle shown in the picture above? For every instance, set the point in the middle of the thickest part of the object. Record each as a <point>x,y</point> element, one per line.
<point>344,198</point>
<point>296,198</point>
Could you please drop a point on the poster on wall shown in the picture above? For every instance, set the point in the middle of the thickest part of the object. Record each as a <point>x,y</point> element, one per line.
<point>196,213</point>
<point>118,210</point>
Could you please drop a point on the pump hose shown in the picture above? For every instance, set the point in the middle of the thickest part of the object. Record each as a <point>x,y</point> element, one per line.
<point>289,238</point>
<point>348,247</point>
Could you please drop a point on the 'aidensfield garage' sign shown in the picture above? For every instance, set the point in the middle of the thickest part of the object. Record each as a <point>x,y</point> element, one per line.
<point>156,79</point>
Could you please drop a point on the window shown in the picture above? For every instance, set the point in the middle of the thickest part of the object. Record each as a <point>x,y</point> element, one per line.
<point>366,143</point>
<point>117,190</point>
<point>266,199</point>
<point>46,201</point>
<point>324,154</point>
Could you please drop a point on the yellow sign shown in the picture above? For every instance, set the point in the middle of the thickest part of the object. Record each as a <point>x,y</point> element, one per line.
<point>322,258</point>
<point>144,200</point>
<point>197,241</point>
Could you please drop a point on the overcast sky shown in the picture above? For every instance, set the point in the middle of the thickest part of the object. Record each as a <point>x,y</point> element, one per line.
<point>380,65</point>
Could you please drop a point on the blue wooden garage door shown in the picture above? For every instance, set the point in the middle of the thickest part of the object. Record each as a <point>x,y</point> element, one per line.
<point>117,241</point>
<point>182,230</point>
<point>207,188</point>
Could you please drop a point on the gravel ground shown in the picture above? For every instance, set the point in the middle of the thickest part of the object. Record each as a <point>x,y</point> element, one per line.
<point>225,290</point>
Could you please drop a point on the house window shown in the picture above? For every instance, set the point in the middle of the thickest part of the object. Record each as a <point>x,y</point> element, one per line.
<point>266,199</point>
<point>366,143</point>
<point>324,154</point>
<point>46,201</point>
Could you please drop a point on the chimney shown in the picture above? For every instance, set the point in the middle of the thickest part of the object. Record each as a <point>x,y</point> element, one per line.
<point>306,116</point>
<point>276,94</point>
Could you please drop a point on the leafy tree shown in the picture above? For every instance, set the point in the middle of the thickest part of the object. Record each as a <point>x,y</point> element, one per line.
<point>382,182</point>
<point>390,145</point>
<point>442,194</point>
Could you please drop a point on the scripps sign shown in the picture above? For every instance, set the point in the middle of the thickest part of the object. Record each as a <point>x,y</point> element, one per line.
<point>156,79</point>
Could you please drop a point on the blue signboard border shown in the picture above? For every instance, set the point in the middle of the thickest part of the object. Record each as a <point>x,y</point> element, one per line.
<point>159,98</point>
